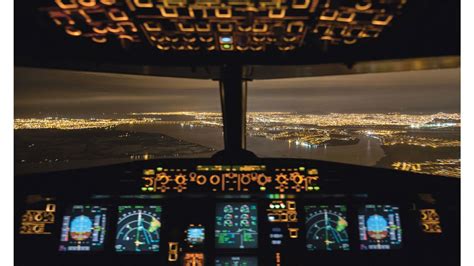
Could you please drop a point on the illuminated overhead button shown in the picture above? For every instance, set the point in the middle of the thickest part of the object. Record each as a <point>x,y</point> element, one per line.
<point>152,26</point>
<point>190,39</point>
<point>203,27</point>
<point>242,48</point>
<point>257,38</point>
<point>179,3</point>
<point>224,27</point>
<point>99,39</point>
<point>382,19</point>
<point>260,27</point>
<point>346,17</point>
<point>225,39</point>
<point>71,4</point>
<point>170,12</point>
<point>271,39</point>
<point>363,5</point>
<point>186,27</point>
<point>100,30</point>
<point>286,48</point>
<point>350,41</point>
<point>143,3</point>
<point>329,15</point>
<point>289,38</point>
<point>227,47</point>
<point>223,12</point>
<point>73,32</point>
<point>118,15</point>
<point>243,28</point>
<point>300,4</point>
<point>277,13</point>
<point>162,47</point>
<point>87,3</point>
<point>293,232</point>
<point>108,2</point>
<point>206,39</point>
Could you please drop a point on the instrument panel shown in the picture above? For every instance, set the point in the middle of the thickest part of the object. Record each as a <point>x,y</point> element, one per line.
<point>118,221</point>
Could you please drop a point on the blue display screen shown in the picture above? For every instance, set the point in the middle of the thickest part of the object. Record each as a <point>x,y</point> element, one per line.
<point>195,235</point>
<point>380,227</point>
<point>83,228</point>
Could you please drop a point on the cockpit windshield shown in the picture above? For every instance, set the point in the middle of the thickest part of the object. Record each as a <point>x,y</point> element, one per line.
<point>407,121</point>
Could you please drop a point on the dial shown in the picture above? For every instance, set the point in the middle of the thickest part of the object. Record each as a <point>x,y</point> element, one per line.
<point>138,229</point>
<point>326,228</point>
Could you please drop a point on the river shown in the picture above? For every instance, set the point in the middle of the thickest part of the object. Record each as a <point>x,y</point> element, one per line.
<point>366,152</point>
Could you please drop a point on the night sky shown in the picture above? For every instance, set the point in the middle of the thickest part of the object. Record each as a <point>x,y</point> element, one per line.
<point>40,91</point>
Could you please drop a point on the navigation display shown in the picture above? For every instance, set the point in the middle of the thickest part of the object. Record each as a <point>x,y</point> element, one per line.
<point>138,229</point>
<point>236,225</point>
<point>236,261</point>
<point>326,227</point>
<point>379,227</point>
<point>83,228</point>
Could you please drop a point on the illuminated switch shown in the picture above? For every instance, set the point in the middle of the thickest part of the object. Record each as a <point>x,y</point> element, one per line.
<point>227,47</point>
<point>272,218</point>
<point>292,217</point>
<point>173,251</point>
<point>293,232</point>
<point>312,171</point>
<point>148,172</point>
<point>226,39</point>
<point>291,205</point>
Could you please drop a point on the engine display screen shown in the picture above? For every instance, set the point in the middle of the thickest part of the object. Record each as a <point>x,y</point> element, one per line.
<point>326,227</point>
<point>236,225</point>
<point>138,229</point>
<point>83,228</point>
<point>236,261</point>
<point>379,227</point>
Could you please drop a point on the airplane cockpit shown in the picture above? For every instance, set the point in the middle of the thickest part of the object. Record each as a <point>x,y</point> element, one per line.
<point>236,208</point>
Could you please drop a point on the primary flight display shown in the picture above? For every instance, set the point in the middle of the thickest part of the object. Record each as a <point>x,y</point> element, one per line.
<point>379,227</point>
<point>83,228</point>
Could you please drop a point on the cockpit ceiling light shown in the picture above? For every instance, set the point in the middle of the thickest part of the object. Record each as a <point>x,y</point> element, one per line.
<point>218,25</point>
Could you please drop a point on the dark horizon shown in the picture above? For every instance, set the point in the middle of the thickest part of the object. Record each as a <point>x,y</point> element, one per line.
<point>44,92</point>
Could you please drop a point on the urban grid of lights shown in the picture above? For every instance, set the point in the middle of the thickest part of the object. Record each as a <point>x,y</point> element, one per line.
<point>305,130</point>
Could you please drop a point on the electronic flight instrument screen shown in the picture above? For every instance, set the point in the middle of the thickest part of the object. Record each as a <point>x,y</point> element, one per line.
<point>195,235</point>
<point>379,227</point>
<point>138,229</point>
<point>326,227</point>
<point>236,261</point>
<point>83,228</point>
<point>236,225</point>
